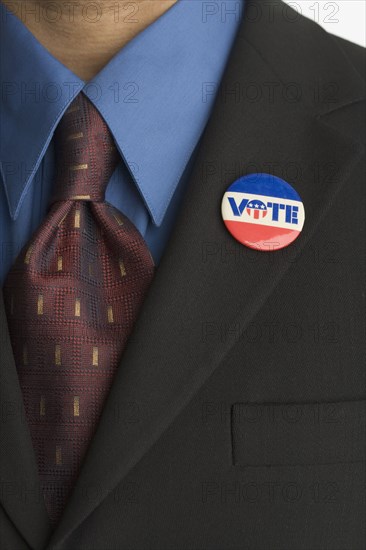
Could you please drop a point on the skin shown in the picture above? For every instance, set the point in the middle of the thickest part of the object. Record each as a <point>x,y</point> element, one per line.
<point>83,34</point>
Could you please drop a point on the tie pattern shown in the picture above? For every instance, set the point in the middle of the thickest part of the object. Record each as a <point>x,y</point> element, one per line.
<point>72,298</point>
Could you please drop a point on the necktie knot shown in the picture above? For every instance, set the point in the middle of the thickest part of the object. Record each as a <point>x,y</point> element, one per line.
<point>86,155</point>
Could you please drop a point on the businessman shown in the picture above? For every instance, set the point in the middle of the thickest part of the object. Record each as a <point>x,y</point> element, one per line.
<point>169,378</point>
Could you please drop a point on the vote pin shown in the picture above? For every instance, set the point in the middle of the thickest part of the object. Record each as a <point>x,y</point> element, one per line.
<point>263,212</point>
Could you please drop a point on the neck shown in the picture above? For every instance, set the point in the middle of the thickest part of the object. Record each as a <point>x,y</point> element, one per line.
<point>85,35</point>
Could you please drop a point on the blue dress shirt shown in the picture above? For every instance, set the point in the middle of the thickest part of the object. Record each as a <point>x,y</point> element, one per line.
<point>156,95</point>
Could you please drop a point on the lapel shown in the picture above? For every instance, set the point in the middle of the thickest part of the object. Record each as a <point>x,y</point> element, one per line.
<point>20,490</point>
<point>268,117</point>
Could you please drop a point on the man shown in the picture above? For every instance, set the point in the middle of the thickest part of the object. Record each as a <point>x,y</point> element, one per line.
<point>164,386</point>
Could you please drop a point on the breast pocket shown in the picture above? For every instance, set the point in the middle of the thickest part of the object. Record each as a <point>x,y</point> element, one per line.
<point>273,434</point>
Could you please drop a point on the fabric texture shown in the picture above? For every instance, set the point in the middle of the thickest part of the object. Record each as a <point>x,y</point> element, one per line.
<point>72,298</point>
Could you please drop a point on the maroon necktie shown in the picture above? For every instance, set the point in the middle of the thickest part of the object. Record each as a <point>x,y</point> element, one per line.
<point>72,298</point>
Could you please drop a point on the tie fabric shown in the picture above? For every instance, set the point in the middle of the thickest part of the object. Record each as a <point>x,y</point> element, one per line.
<point>72,298</point>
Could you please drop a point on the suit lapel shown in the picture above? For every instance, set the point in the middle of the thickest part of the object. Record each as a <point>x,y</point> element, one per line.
<point>207,283</point>
<point>20,490</point>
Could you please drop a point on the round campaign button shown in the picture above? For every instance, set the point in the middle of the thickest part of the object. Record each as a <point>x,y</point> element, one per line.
<point>263,212</point>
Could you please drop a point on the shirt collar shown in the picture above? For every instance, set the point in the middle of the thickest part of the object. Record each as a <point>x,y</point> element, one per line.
<point>155,95</point>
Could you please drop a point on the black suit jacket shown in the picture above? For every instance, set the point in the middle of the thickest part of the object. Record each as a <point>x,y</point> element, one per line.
<point>237,417</point>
